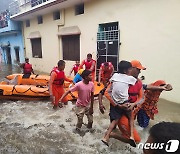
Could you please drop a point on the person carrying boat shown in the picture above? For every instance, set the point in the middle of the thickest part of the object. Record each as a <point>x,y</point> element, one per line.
<point>90,64</point>
<point>27,68</point>
<point>56,89</point>
<point>105,72</point>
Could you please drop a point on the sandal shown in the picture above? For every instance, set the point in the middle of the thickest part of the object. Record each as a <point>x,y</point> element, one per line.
<point>132,142</point>
<point>60,105</point>
<point>105,142</point>
<point>54,107</point>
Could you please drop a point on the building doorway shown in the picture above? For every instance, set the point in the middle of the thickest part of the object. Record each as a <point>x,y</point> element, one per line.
<point>108,40</point>
<point>17,54</point>
<point>8,55</point>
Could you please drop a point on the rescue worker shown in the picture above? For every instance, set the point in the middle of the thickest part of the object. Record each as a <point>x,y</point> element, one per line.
<point>90,64</point>
<point>56,89</point>
<point>105,72</point>
<point>27,68</point>
<point>75,68</point>
<point>136,98</point>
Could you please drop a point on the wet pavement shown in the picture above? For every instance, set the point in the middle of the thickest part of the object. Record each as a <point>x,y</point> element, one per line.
<point>33,127</point>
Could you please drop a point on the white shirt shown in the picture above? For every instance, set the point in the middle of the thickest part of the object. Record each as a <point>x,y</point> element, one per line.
<point>120,86</point>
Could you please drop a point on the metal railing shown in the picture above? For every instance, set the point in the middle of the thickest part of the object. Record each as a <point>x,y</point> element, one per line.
<point>37,2</point>
<point>15,6</point>
<point>111,35</point>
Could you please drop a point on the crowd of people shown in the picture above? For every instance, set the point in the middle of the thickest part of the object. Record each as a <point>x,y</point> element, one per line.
<point>4,17</point>
<point>129,98</point>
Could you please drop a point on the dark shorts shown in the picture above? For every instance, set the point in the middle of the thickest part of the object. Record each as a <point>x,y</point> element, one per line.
<point>142,118</point>
<point>116,112</point>
<point>25,76</point>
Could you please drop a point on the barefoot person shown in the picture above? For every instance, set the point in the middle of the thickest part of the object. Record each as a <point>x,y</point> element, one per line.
<point>56,89</point>
<point>120,83</point>
<point>85,101</point>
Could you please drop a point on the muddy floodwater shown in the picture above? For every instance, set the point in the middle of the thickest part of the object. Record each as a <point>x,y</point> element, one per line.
<point>33,127</point>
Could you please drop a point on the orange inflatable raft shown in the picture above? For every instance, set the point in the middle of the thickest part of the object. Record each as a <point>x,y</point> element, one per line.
<point>32,88</point>
<point>97,89</point>
<point>42,80</point>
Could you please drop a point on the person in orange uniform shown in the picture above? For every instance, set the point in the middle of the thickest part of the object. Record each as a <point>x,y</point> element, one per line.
<point>75,68</point>
<point>56,89</point>
<point>136,96</point>
<point>105,72</point>
<point>90,64</point>
<point>27,68</point>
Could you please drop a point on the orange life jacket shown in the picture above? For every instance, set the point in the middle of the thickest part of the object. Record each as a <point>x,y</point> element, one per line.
<point>134,91</point>
<point>27,68</point>
<point>75,68</point>
<point>106,73</point>
<point>88,64</point>
<point>59,80</point>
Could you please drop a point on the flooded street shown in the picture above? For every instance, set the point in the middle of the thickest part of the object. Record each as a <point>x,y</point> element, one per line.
<point>33,127</point>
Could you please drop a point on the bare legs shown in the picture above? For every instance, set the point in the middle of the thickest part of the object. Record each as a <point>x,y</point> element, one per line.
<point>105,139</point>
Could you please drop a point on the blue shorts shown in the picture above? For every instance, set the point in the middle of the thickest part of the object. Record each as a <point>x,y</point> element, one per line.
<point>142,118</point>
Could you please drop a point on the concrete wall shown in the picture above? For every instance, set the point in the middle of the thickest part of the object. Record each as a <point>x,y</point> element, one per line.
<point>149,32</point>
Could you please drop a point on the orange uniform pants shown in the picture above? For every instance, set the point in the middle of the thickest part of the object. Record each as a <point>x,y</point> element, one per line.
<point>57,92</point>
<point>123,122</point>
<point>93,76</point>
<point>123,125</point>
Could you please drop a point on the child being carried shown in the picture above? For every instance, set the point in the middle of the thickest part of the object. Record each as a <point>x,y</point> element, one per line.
<point>120,83</point>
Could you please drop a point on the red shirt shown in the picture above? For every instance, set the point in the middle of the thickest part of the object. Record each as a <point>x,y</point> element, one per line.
<point>88,64</point>
<point>106,73</point>
<point>75,68</point>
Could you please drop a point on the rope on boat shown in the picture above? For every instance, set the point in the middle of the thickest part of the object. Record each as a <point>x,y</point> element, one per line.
<point>29,89</point>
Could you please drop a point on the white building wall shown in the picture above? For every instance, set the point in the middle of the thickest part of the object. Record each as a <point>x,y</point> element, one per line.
<point>149,32</point>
